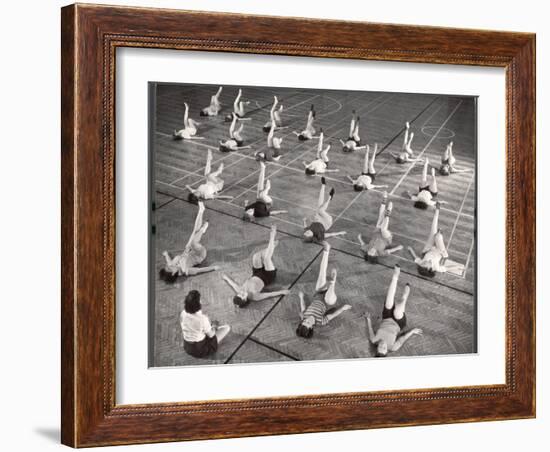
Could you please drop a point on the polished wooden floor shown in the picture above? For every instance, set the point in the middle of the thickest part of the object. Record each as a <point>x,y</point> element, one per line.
<point>444,307</point>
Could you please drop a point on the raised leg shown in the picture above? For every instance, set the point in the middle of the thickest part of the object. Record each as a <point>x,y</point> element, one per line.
<point>438,239</point>
<point>433,231</point>
<point>355,134</point>
<point>425,173</point>
<point>322,277</point>
<point>330,296</point>
<point>366,160</point>
<point>261,180</point>
<point>267,255</point>
<point>390,296</point>
<point>232,126</point>
<point>208,166</point>
<point>321,199</point>
<point>186,116</point>
<point>399,310</point>
<point>433,185</point>
<point>373,157</point>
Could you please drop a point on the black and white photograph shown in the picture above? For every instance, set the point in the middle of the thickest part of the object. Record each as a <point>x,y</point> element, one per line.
<point>297,224</point>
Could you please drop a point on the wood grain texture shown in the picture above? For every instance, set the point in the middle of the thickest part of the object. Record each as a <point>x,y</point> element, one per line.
<point>90,36</point>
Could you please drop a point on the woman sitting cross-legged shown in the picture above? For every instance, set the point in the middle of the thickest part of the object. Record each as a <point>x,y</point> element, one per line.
<point>194,253</point>
<point>389,337</point>
<point>320,312</point>
<point>263,275</point>
<point>200,336</point>
<point>262,206</point>
<point>381,242</point>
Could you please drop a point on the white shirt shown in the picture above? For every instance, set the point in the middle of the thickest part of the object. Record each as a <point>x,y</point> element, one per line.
<point>194,326</point>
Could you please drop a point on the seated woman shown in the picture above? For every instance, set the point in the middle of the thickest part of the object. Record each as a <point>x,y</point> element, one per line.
<point>366,180</point>
<point>309,132</point>
<point>322,220</point>
<point>434,254</point>
<point>389,337</point>
<point>238,108</point>
<point>211,188</point>
<point>215,106</point>
<point>320,312</point>
<point>274,116</point>
<point>263,275</point>
<point>235,141</point>
<point>320,164</point>
<point>189,130</point>
<point>194,253</point>
<point>262,207</point>
<point>448,163</point>
<point>200,336</point>
<point>426,192</point>
<point>273,149</point>
<point>381,241</point>
<point>353,142</point>
<point>406,153</point>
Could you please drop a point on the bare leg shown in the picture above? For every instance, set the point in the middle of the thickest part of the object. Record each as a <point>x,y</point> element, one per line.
<point>219,92</point>
<point>433,185</point>
<point>321,199</point>
<point>366,160</point>
<point>390,296</point>
<point>324,154</point>
<point>236,102</point>
<point>381,212</point>
<point>208,166</point>
<point>438,239</point>
<point>232,126</point>
<point>399,310</point>
<point>322,277</point>
<point>373,157</point>
<point>425,173</point>
<point>216,173</point>
<point>261,180</point>
<point>406,137</point>
<point>320,144</point>
<point>433,231</point>
<point>267,254</point>
<point>352,126</point>
<point>408,148</point>
<point>330,296</point>
<point>197,237</point>
<point>186,116</point>
<point>355,134</point>
<point>270,135</point>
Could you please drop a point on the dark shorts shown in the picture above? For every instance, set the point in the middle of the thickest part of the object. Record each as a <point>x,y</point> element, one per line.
<point>388,314</point>
<point>427,272</point>
<point>310,172</point>
<point>239,142</point>
<point>260,209</point>
<point>225,148</point>
<point>267,276</point>
<point>302,137</point>
<point>202,348</point>
<point>371,175</point>
<point>427,188</point>
<point>401,160</point>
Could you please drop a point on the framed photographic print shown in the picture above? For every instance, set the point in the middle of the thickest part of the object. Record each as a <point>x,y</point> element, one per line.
<point>280,225</point>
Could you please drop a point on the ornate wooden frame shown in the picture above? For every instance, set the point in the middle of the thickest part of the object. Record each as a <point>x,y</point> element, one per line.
<point>90,36</point>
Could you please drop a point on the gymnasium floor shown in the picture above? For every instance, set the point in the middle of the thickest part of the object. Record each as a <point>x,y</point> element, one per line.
<point>444,307</point>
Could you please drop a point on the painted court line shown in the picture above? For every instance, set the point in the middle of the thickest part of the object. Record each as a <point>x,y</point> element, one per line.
<point>460,210</point>
<point>425,147</point>
<point>308,150</point>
